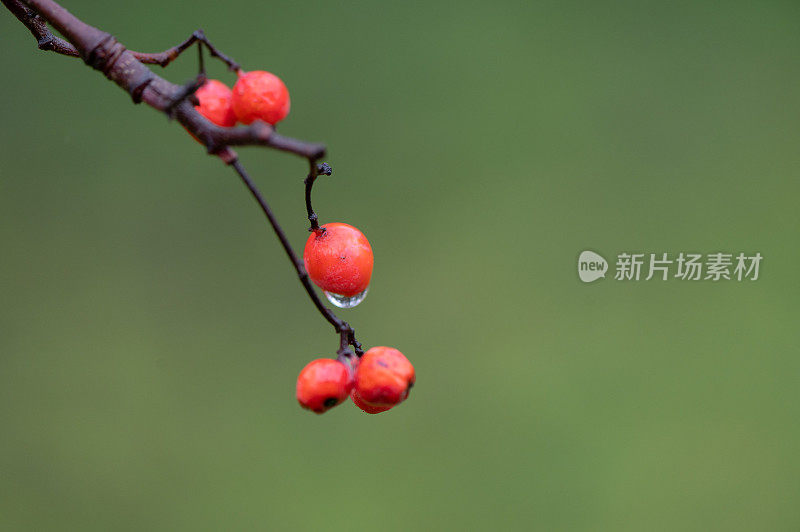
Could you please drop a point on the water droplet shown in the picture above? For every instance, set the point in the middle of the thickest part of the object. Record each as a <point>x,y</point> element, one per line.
<point>346,301</point>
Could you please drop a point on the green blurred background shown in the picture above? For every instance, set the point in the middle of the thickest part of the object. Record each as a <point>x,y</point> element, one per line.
<point>151,329</point>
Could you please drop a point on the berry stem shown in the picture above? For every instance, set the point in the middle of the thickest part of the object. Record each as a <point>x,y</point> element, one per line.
<point>314,171</point>
<point>345,331</point>
<point>200,62</point>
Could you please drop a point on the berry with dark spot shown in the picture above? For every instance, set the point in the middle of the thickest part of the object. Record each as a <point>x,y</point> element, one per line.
<point>323,384</point>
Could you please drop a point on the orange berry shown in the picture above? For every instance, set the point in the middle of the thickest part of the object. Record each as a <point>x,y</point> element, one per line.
<point>383,379</point>
<point>260,95</point>
<point>323,384</point>
<point>215,103</point>
<point>339,260</point>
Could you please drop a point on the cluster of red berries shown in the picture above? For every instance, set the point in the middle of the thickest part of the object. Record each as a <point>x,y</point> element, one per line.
<point>378,381</point>
<point>257,95</point>
<point>337,257</point>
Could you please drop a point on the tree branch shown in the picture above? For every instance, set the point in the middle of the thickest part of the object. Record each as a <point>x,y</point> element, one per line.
<point>127,69</point>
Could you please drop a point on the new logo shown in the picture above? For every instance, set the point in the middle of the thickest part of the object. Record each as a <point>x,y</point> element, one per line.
<point>591,266</point>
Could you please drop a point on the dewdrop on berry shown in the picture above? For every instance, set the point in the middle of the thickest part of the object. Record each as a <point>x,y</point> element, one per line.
<point>343,301</point>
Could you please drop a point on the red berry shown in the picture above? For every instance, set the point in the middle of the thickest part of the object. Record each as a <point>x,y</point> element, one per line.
<point>215,103</point>
<point>260,95</point>
<point>323,384</point>
<point>339,259</point>
<point>383,379</point>
<point>365,407</point>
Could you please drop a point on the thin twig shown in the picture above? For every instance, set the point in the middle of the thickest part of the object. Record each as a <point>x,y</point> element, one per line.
<point>344,329</point>
<point>38,27</point>
<point>167,56</point>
